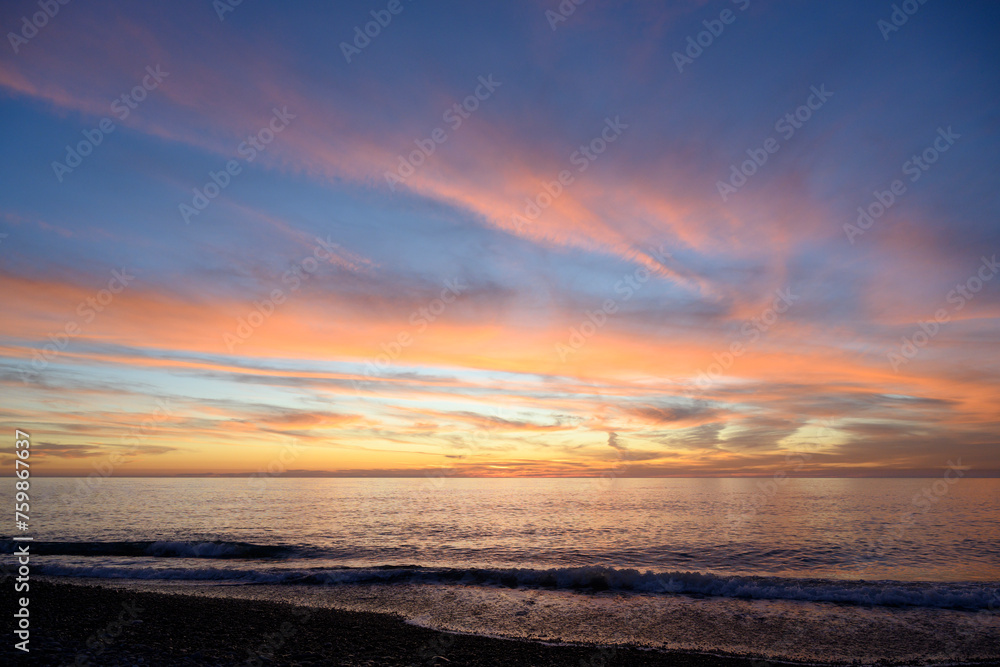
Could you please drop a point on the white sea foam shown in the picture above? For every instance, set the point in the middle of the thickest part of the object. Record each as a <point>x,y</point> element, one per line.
<point>967,596</point>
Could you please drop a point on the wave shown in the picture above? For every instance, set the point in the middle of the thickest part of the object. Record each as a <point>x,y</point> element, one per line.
<point>963,596</point>
<point>156,549</point>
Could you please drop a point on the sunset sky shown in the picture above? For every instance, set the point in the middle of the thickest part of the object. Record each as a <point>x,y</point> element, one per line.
<point>490,241</point>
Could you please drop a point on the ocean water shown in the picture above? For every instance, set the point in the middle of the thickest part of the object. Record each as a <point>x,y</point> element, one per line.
<point>906,570</point>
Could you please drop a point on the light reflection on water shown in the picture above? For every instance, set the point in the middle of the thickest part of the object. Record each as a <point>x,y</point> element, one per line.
<point>829,528</point>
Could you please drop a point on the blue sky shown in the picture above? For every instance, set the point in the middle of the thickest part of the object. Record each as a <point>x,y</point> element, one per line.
<point>326,269</point>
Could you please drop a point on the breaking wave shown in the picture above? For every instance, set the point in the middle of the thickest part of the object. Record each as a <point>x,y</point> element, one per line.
<point>963,596</point>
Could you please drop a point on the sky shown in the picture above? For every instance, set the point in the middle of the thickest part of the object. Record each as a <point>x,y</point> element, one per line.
<point>502,238</point>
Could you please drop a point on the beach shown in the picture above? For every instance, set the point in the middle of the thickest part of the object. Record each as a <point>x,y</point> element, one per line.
<point>500,333</point>
<point>391,572</point>
<point>92,625</point>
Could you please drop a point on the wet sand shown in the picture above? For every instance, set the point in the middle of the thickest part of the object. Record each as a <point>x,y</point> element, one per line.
<point>87,625</point>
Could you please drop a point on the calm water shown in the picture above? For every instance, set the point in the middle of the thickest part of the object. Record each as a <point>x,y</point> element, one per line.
<point>440,549</point>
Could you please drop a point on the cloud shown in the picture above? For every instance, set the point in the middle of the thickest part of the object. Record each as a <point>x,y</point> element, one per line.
<point>676,414</point>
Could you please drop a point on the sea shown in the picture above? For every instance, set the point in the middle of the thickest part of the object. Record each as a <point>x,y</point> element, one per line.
<point>903,571</point>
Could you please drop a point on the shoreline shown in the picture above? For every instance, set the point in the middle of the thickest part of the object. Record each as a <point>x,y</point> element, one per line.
<point>76,624</point>
<point>84,624</point>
